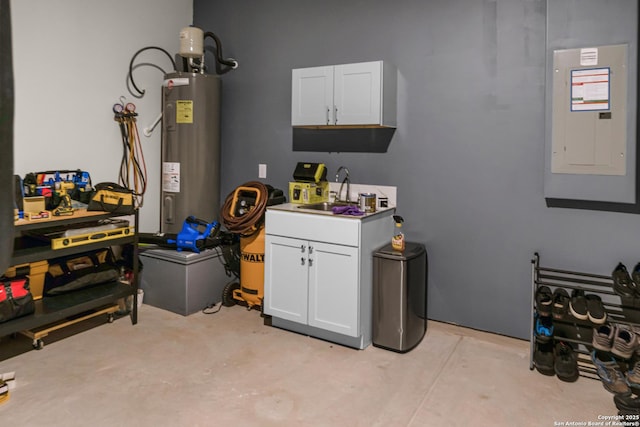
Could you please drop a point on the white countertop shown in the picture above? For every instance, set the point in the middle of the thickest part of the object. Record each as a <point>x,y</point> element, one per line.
<point>299,208</point>
<point>389,192</point>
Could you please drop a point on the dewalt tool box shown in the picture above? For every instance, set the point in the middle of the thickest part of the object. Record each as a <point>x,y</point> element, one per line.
<point>37,271</point>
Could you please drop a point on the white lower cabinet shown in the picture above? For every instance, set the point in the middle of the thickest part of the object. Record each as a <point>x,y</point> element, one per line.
<point>287,266</point>
<point>316,283</point>
<point>318,276</point>
<point>334,288</point>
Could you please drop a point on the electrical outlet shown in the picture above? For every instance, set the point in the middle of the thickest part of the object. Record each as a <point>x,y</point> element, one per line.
<point>262,170</point>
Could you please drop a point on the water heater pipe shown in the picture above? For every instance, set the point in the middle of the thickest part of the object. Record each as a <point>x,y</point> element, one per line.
<point>149,129</point>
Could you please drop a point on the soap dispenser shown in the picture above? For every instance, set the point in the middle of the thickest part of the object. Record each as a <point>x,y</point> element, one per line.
<point>397,242</point>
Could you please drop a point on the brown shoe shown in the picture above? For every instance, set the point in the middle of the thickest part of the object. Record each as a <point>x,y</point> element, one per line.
<point>610,374</point>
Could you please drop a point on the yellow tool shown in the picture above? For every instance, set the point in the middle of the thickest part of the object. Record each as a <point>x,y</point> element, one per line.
<point>62,190</point>
<point>243,213</point>
<point>251,289</point>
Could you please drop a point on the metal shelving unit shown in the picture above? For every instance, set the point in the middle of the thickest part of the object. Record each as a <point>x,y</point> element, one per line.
<point>575,331</point>
<point>66,309</point>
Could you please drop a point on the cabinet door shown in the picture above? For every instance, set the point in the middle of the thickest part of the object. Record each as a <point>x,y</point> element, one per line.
<point>286,278</point>
<point>334,288</point>
<point>357,93</point>
<point>312,96</point>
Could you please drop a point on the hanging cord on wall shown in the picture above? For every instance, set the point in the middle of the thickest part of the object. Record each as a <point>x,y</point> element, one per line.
<point>133,169</point>
<point>133,58</point>
<point>250,222</point>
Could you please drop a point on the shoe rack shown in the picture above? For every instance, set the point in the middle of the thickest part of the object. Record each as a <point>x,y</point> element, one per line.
<point>619,310</point>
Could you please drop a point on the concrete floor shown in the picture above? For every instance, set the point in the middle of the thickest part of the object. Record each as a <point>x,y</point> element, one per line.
<point>228,369</point>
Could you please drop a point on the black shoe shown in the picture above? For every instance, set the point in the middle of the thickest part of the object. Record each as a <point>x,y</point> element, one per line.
<point>543,328</point>
<point>635,276</point>
<point>627,405</point>
<point>578,305</point>
<point>566,362</point>
<point>595,310</point>
<point>543,358</point>
<point>544,300</point>
<point>622,283</point>
<point>560,303</point>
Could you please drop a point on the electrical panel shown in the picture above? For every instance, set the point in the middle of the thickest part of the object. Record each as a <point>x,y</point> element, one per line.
<point>589,111</point>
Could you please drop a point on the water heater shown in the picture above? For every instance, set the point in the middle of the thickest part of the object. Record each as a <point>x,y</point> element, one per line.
<point>190,149</point>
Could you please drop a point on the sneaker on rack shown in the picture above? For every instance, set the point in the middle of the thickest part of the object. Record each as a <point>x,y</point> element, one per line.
<point>635,277</point>
<point>627,405</point>
<point>543,358</point>
<point>544,300</point>
<point>560,303</point>
<point>578,305</point>
<point>622,283</point>
<point>544,328</point>
<point>565,362</point>
<point>633,374</point>
<point>609,373</point>
<point>624,342</point>
<point>636,330</point>
<point>603,337</point>
<point>595,309</point>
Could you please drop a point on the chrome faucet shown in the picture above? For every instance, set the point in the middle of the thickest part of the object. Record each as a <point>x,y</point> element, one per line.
<point>346,180</point>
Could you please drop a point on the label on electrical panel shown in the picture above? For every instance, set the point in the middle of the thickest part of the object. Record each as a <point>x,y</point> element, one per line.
<point>590,89</point>
<point>184,111</point>
<point>171,177</point>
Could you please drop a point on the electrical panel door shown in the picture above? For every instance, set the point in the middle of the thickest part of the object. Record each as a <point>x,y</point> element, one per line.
<point>589,118</point>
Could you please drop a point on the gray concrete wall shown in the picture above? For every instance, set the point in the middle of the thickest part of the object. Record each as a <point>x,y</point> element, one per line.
<point>468,154</point>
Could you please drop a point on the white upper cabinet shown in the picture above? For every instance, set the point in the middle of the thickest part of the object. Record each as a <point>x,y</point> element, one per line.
<point>357,93</point>
<point>312,95</point>
<point>349,94</point>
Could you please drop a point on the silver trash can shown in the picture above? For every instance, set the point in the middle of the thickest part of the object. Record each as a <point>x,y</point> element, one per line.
<point>399,297</point>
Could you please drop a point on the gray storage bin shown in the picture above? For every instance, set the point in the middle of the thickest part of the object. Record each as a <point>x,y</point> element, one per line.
<point>182,282</point>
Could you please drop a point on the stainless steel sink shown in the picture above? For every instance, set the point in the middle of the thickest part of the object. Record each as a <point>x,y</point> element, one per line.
<point>325,206</point>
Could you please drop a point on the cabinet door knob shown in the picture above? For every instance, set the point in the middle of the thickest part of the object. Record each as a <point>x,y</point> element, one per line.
<point>310,249</point>
<point>301,260</point>
<point>310,262</point>
<point>302,248</point>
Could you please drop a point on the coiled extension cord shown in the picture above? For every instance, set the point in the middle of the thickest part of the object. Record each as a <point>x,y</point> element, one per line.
<point>246,225</point>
